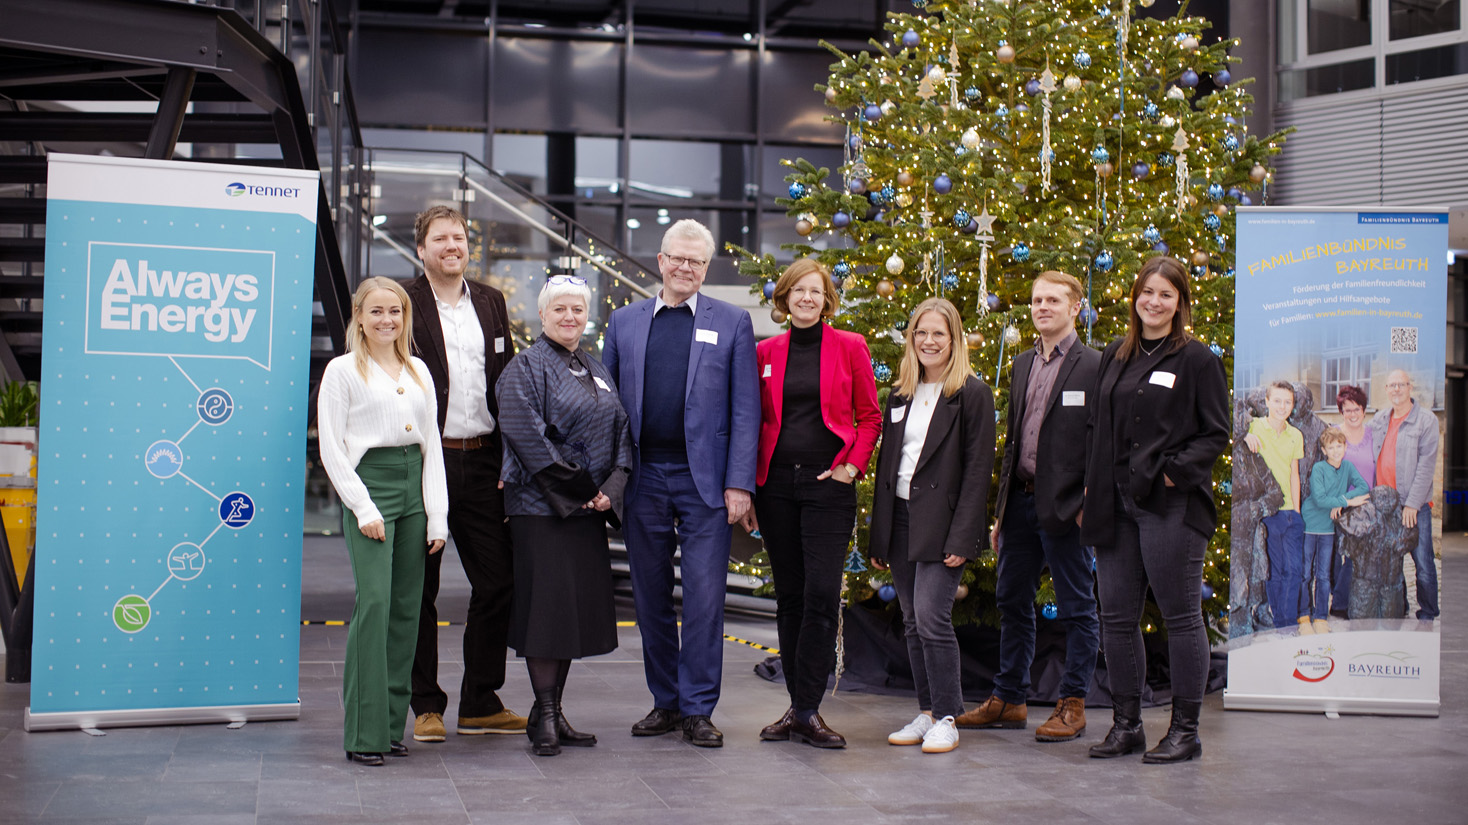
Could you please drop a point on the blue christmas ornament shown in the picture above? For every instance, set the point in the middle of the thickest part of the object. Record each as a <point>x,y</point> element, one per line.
<point>942,184</point>
<point>887,593</point>
<point>1188,79</point>
<point>917,4</point>
<point>1088,316</point>
<point>1211,222</point>
<point>1151,112</point>
<point>972,93</point>
<point>1032,87</point>
<point>961,218</point>
<point>889,193</point>
<point>1020,253</point>
<point>1222,77</point>
<point>882,372</point>
<point>1245,200</point>
<point>841,269</point>
<point>873,112</point>
<point>950,281</point>
<point>1020,108</point>
<point>1215,191</point>
<point>1100,155</point>
<point>1216,350</point>
<point>769,290</point>
<point>797,191</point>
<point>1151,235</point>
<point>910,39</point>
<point>1228,273</point>
<point>841,220</point>
<point>1164,159</point>
<point>1222,241</point>
<point>1161,248</point>
<point>901,325</point>
<point>874,197</point>
<point>1002,111</point>
<point>992,301</point>
<point>1230,120</point>
<point>1104,261</point>
<point>959,151</point>
<point>854,562</point>
<point>971,227</point>
<point>1141,169</point>
<point>1052,155</point>
<point>1235,193</point>
<point>1226,487</point>
<point>1200,271</point>
<point>854,142</point>
<point>856,186</point>
<point>1230,142</point>
<point>1082,60</point>
<point>1207,590</point>
<point>1049,610</point>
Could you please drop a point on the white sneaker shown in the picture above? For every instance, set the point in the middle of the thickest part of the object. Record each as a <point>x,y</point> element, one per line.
<point>942,737</point>
<point>914,732</point>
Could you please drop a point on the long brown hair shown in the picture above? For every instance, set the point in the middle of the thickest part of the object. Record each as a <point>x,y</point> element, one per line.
<point>958,370</point>
<point>357,338</point>
<point>1171,270</point>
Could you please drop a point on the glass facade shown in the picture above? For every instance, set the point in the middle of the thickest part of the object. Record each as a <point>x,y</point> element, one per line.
<point>1329,47</point>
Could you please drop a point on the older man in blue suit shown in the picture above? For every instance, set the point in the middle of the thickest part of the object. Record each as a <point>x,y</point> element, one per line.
<point>684,366</point>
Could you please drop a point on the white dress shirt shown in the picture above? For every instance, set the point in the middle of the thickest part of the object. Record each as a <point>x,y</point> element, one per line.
<point>467,413</point>
<point>692,304</point>
<point>355,414</point>
<point>919,415</point>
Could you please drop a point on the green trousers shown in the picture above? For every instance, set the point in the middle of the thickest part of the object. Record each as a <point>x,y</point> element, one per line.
<point>384,631</point>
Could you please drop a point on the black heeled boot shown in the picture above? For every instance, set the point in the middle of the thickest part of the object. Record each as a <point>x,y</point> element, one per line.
<point>1126,734</point>
<point>1181,742</point>
<point>566,734</point>
<point>543,738</point>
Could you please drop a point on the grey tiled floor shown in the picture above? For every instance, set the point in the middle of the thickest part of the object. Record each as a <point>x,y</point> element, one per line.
<point>1257,769</point>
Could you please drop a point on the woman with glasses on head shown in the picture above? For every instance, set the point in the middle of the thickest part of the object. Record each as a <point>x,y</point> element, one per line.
<point>819,422</point>
<point>930,512</point>
<point>377,421</point>
<point>1351,401</point>
<point>1161,421</point>
<point>568,451</point>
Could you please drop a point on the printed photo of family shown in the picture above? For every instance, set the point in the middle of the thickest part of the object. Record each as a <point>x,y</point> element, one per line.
<point>1330,496</point>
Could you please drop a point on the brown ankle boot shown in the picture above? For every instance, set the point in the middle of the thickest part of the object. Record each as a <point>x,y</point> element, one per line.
<point>1066,723</point>
<point>994,713</point>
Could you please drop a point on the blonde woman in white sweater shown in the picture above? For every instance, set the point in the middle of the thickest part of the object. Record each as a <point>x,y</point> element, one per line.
<point>379,442</point>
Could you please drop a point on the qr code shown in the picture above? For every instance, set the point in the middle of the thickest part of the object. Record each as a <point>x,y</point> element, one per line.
<point>1404,339</point>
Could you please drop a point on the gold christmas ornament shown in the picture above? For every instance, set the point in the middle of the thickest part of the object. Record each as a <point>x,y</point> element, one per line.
<point>777,316</point>
<point>1258,173</point>
<point>937,75</point>
<point>1005,53</point>
<point>960,593</point>
<point>1104,170</point>
<point>1192,200</point>
<point>1200,258</point>
<point>904,178</point>
<point>886,288</point>
<point>803,227</point>
<point>1072,83</point>
<point>830,94</point>
<point>975,340</point>
<point>904,199</point>
<point>1221,210</point>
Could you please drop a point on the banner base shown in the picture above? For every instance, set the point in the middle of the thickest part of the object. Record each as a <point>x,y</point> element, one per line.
<point>1381,706</point>
<point>147,717</point>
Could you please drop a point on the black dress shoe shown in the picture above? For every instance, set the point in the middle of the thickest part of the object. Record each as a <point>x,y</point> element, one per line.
<point>656,723</point>
<point>779,731</point>
<point>397,749</point>
<point>816,733</point>
<point>373,760</point>
<point>701,731</point>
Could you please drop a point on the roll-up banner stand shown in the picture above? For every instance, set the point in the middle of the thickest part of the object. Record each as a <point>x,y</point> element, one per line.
<point>1347,308</point>
<point>175,369</point>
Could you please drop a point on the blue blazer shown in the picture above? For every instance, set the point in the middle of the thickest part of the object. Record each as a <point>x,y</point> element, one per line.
<point>721,400</point>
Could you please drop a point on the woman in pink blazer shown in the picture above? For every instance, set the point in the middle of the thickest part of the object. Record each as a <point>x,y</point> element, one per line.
<point>819,422</point>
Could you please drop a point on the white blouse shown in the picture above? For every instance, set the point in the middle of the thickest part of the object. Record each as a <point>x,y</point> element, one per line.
<point>354,415</point>
<point>919,415</point>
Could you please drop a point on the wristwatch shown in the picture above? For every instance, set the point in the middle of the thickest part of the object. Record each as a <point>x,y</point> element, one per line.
<point>850,469</point>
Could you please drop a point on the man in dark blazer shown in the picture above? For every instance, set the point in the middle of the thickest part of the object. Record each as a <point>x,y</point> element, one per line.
<point>684,366</point>
<point>1041,483</point>
<point>461,330</point>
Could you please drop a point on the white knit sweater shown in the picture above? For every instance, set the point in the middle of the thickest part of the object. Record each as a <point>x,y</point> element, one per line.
<point>353,416</point>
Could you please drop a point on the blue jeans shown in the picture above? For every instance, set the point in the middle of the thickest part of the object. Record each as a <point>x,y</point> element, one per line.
<point>1285,545</point>
<point>1316,574</point>
<point>1426,567</point>
<point>1025,549</point>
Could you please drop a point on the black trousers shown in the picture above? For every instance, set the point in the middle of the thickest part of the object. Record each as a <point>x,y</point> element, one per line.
<point>806,525</point>
<point>477,524</point>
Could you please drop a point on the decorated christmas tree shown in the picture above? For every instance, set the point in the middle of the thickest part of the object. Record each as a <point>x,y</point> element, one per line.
<point>989,141</point>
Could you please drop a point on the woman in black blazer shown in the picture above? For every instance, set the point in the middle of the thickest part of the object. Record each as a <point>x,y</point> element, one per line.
<point>1161,420</point>
<point>930,506</point>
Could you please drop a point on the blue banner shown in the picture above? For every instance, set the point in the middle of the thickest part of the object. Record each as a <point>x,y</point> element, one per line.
<point>171,461</point>
<point>1339,387</point>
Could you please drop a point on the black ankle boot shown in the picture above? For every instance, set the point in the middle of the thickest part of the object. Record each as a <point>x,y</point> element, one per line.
<point>566,734</point>
<point>1126,734</point>
<point>543,738</point>
<point>1181,742</point>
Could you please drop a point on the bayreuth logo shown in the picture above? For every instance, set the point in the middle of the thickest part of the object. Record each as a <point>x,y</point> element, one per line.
<point>234,190</point>
<point>1314,665</point>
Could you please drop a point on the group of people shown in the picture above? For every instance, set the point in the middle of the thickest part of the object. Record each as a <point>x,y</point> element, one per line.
<point>1309,579</point>
<point>685,427</point>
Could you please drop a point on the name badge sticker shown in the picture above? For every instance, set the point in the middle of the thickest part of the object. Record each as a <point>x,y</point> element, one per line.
<point>898,413</point>
<point>1166,379</point>
<point>706,336</point>
<point>769,371</point>
<point>1073,398</point>
<point>601,383</point>
<point>499,344</point>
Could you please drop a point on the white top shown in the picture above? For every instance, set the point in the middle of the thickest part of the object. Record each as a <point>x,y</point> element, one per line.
<point>467,414</point>
<point>919,415</point>
<point>353,416</point>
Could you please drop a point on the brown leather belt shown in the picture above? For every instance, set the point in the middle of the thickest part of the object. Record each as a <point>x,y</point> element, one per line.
<point>465,443</point>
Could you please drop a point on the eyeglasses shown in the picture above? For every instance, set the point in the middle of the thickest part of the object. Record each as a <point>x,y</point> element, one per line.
<point>576,280</point>
<point>1398,385</point>
<point>677,261</point>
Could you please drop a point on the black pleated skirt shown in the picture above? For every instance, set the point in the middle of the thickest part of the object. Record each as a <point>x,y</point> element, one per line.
<point>564,605</point>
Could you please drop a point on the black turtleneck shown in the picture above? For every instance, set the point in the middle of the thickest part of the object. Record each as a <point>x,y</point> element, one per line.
<point>804,438</point>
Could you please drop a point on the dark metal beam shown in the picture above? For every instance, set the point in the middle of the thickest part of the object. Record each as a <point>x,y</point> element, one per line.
<point>163,136</point>
<point>135,128</point>
<point>72,72</point>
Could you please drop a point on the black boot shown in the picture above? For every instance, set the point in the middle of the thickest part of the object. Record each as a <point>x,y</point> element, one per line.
<point>1181,742</point>
<point>1126,734</point>
<point>543,738</point>
<point>566,734</point>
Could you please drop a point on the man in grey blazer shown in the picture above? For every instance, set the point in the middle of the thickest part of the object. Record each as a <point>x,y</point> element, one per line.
<point>1405,439</point>
<point>1041,483</point>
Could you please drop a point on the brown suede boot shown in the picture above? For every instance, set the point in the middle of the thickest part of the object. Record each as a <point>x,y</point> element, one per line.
<point>1066,723</point>
<point>994,713</point>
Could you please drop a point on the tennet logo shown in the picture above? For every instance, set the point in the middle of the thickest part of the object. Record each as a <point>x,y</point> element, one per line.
<point>236,189</point>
